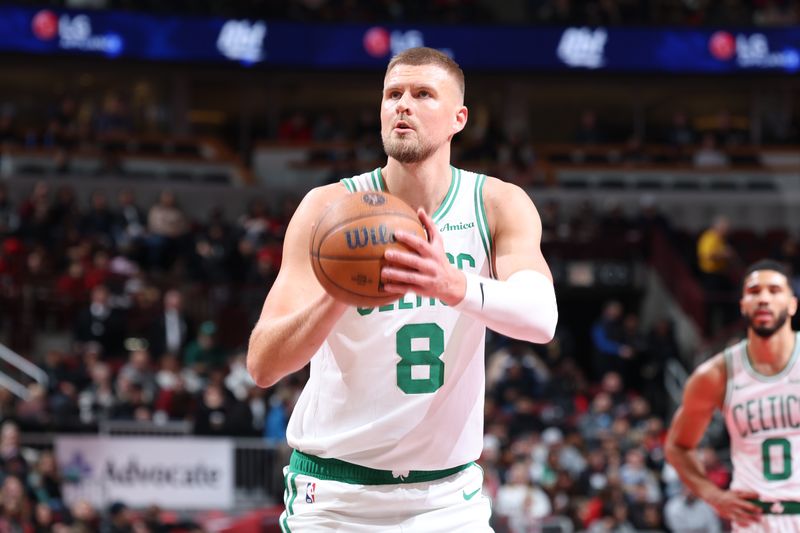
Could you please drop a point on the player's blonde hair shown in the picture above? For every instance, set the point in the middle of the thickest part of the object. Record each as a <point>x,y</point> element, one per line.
<point>429,56</point>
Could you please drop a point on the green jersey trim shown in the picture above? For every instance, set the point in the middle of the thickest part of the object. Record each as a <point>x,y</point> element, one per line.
<point>344,472</point>
<point>380,182</point>
<point>483,223</point>
<point>775,377</point>
<point>728,358</point>
<point>450,197</point>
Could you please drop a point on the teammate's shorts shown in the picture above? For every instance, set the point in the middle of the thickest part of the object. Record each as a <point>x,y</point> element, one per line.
<point>326,495</point>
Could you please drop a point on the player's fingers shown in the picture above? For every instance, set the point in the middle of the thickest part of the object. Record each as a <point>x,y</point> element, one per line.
<point>411,240</point>
<point>427,223</point>
<point>743,501</point>
<point>746,494</point>
<point>742,518</point>
<point>396,288</point>
<point>405,259</point>
<point>396,275</point>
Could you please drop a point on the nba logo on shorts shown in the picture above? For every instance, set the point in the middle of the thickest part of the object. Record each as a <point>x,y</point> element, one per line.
<point>311,492</point>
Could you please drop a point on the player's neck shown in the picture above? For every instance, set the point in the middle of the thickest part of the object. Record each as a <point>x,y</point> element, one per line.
<point>770,355</point>
<point>423,184</point>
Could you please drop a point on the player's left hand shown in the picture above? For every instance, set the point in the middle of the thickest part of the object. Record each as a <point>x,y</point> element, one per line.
<point>425,270</point>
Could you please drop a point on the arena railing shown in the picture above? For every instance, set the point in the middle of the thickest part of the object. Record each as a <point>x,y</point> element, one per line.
<point>20,364</point>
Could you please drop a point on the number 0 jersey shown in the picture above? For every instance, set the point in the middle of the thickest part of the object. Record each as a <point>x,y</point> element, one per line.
<point>762,414</point>
<point>400,387</point>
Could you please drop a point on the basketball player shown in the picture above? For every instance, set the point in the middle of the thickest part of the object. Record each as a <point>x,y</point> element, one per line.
<point>387,429</point>
<point>756,385</point>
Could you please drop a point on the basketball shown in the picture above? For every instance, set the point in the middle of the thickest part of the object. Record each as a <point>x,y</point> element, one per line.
<point>349,241</point>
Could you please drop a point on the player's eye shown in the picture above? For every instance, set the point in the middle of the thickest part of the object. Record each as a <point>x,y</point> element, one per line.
<point>423,94</point>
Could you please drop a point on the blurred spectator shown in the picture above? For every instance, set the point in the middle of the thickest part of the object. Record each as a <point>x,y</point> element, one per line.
<point>101,323</point>
<point>212,415</point>
<point>594,478</point>
<point>119,519</point>
<point>171,329</point>
<point>727,131</point>
<point>686,513</point>
<point>44,520</point>
<point>167,226</point>
<point>708,155</point>
<point>610,352</point>
<point>662,346</point>
<point>174,400</point>
<point>12,460</point>
<point>45,482</point>
<point>520,502</point>
<point>295,128</point>
<point>33,412</point>
<point>138,371</point>
<point>98,222</point>
<point>588,131</point>
<point>99,271</point>
<point>130,222</point>
<point>113,118</point>
<point>15,508</point>
<point>203,354</point>
<point>9,220</point>
<point>97,400</point>
<point>84,518</point>
<point>681,135</point>
<point>716,472</point>
<point>634,473</point>
<point>715,261</point>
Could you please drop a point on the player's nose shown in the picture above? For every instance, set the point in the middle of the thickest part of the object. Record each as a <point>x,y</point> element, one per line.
<point>403,105</point>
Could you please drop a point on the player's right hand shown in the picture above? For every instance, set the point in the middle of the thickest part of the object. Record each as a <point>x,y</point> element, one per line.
<point>734,505</point>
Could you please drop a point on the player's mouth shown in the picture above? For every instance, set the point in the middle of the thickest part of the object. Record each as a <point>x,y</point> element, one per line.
<point>401,126</point>
<point>763,314</point>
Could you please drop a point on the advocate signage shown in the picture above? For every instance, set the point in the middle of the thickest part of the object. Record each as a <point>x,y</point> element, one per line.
<point>171,472</point>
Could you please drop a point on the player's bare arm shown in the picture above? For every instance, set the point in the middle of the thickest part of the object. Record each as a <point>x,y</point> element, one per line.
<point>703,394</point>
<point>520,303</point>
<point>516,229</point>
<point>298,314</point>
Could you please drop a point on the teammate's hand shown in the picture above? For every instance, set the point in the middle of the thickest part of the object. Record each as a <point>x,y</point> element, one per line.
<point>425,270</point>
<point>734,505</point>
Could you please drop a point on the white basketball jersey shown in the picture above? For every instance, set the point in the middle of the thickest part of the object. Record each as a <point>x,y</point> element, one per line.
<point>763,418</point>
<point>400,387</point>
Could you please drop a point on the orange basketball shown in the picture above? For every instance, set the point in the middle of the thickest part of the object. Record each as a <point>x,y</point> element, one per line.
<point>349,241</point>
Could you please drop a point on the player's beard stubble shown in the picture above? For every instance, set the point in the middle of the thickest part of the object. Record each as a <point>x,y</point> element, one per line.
<point>407,149</point>
<point>767,331</point>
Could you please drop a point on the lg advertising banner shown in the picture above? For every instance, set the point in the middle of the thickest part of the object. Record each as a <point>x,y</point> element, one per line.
<point>254,43</point>
<point>170,472</point>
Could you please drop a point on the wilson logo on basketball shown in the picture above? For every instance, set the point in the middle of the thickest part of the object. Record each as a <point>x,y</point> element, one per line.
<point>372,198</point>
<point>364,236</point>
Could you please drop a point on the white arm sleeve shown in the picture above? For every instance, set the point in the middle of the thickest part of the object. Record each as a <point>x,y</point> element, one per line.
<point>523,306</point>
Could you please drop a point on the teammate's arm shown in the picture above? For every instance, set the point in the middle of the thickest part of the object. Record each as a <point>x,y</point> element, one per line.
<point>520,303</point>
<point>703,394</point>
<point>298,314</point>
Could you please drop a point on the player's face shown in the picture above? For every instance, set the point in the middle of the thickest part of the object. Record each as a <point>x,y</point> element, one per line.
<point>767,302</point>
<point>422,108</point>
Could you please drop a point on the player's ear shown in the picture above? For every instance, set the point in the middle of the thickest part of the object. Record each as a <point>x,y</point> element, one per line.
<point>460,119</point>
<point>793,306</point>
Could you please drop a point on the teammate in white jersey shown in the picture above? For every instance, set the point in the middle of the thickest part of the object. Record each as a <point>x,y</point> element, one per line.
<point>387,429</point>
<point>756,385</point>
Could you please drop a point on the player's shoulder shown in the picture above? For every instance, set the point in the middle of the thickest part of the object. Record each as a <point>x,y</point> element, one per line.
<point>320,198</point>
<point>503,194</point>
<point>711,375</point>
